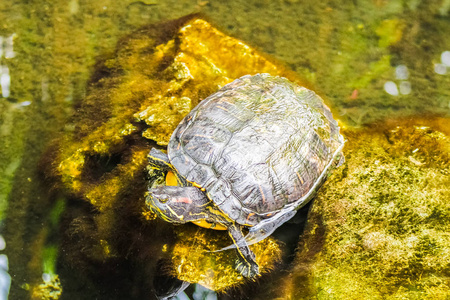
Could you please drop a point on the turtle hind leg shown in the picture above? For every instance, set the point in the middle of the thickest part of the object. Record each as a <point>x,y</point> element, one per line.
<point>262,230</point>
<point>266,227</point>
<point>245,264</point>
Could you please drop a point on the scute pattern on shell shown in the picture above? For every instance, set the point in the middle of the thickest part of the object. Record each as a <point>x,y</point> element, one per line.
<point>257,145</point>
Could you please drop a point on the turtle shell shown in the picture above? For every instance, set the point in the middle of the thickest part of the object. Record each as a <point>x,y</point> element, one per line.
<point>257,145</point>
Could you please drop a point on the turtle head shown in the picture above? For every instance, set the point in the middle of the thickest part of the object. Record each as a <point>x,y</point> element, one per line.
<point>177,204</point>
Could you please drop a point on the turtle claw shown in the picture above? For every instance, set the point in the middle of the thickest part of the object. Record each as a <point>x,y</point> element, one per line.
<point>247,269</point>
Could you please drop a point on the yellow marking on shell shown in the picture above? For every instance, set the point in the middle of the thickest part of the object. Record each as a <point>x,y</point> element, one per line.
<point>197,186</point>
<point>171,179</point>
<point>249,216</point>
<point>202,135</point>
<point>210,152</point>
<point>227,102</point>
<point>262,194</point>
<point>222,108</point>
<point>299,177</point>
<point>204,224</point>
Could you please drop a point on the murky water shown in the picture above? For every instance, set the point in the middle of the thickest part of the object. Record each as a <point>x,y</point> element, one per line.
<point>375,62</point>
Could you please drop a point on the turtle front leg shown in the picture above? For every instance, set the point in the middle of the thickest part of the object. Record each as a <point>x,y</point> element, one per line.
<point>246,264</point>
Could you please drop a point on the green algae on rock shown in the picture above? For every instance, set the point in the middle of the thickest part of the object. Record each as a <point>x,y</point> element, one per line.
<point>380,227</point>
<point>49,290</point>
<point>194,259</point>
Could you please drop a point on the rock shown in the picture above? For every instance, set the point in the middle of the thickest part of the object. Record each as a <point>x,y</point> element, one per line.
<point>379,227</point>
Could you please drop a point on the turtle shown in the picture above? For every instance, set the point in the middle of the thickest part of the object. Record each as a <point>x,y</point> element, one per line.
<point>245,159</point>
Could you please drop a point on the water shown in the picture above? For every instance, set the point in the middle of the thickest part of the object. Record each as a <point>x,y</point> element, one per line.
<point>371,60</point>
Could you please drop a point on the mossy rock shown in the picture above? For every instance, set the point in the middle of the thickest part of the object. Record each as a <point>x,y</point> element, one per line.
<point>379,228</point>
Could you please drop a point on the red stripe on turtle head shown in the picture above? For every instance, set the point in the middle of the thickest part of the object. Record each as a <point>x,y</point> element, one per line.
<point>182,200</point>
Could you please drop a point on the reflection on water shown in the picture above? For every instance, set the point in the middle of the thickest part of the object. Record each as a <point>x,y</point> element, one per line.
<point>6,46</point>
<point>5,279</point>
<point>404,86</point>
<point>6,51</point>
<point>445,58</point>
<point>5,81</point>
<point>442,67</point>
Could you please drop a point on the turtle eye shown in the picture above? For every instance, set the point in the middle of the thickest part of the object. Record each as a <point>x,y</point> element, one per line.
<point>163,199</point>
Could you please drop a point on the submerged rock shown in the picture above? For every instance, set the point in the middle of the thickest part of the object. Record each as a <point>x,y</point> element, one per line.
<point>158,74</point>
<point>136,100</point>
<point>194,259</point>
